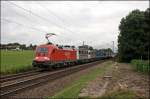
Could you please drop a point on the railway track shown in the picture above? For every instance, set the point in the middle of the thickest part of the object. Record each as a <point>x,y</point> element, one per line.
<point>16,87</point>
<point>17,76</point>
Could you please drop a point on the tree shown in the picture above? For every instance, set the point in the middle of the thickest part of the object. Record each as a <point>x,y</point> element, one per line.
<point>133,37</point>
<point>23,46</point>
<point>90,48</point>
<point>30,46</point>
<point>147,31</point>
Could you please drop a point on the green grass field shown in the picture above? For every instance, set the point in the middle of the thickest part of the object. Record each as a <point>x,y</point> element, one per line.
<point>15,61</point>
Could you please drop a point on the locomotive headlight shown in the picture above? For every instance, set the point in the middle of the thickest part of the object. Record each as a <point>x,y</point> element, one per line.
<point>36,57</point>
<point>46,58</point>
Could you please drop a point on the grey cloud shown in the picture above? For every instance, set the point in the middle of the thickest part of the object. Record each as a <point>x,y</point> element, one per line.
<point>96,23</point>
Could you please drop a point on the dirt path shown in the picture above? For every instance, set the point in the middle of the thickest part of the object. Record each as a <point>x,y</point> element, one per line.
<point>120,76</point>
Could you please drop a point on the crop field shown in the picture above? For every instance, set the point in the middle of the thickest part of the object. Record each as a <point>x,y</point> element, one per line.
<point>15,61</point>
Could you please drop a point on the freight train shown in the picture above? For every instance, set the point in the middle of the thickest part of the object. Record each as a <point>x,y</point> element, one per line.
<point>51,56</point>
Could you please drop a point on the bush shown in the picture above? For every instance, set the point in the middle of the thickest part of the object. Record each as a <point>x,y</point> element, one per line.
<point>141,65</point>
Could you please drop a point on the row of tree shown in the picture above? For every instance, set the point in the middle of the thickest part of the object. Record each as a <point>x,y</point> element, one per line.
<point>133,40</point>
<point>17,46</point>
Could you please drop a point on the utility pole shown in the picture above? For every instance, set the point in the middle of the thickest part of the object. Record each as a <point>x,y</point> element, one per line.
<point>113,46</point>
<point>83,42</point>
<point>113,50</point>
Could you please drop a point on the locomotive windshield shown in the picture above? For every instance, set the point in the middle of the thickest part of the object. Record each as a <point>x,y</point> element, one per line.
<point>42,49</point>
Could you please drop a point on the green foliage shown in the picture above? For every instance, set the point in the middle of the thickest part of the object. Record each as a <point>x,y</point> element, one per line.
<point>74,90</point>
<point>141,65</point>
<point>15,61</point>
<point>133,40</point>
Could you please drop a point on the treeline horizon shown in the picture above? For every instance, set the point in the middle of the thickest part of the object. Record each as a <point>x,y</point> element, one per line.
<point>33,46</point>
<point>18,45</point>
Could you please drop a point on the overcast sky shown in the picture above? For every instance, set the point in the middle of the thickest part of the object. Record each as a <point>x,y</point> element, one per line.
<point>95,22</point>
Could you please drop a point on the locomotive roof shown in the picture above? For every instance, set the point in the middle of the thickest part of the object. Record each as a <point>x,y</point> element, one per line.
<point>48,45</point>
<point>56,47</point>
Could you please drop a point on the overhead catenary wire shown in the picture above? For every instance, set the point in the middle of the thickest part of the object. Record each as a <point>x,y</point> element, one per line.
<point>23,16</point>
<point>32,14</point>
<point>57,16</point>
<point>43,18</point>
<point>11,21</point>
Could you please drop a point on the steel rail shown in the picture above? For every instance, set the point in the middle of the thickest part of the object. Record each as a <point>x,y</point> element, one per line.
<point>10,89</point>
<point>17,76</point>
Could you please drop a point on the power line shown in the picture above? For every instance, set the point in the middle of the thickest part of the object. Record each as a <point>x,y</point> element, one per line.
<point>58,17</point>
<point>10,21</point>
<point>40,17</point>
<point>25,17</point>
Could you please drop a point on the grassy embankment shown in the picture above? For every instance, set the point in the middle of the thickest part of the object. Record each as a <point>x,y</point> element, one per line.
<point>15,61</point>
<point>141,65</point>
<point>74,90</point>
<point>119,94</point>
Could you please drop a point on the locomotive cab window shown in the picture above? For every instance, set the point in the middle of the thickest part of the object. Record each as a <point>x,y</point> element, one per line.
<point>42,49</point>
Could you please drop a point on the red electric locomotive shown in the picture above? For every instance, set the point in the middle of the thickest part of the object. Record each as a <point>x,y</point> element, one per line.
<point>49,55</point>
